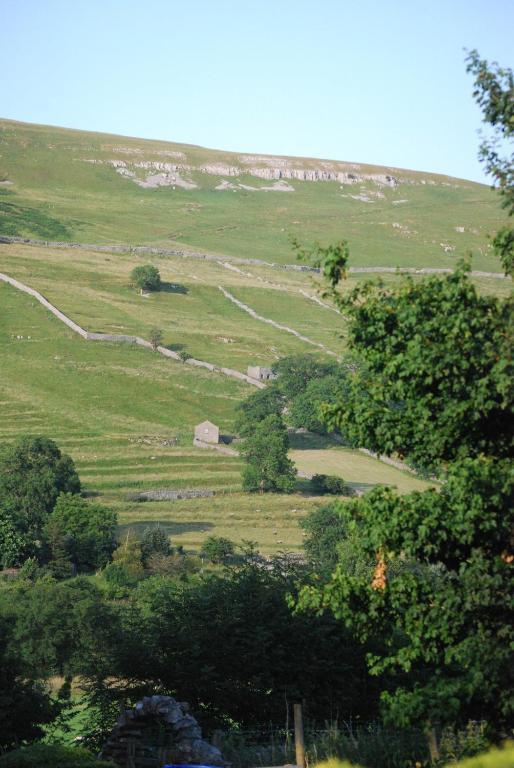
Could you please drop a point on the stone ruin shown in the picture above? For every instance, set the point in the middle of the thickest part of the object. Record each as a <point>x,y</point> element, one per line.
<point>158,730</point>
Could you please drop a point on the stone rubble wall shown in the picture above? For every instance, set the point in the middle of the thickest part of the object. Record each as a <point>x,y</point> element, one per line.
<point>152,251</point>
<point>126,744</point>
<point>164,494</point>
<point>279,326</point>
<point>215,447</point>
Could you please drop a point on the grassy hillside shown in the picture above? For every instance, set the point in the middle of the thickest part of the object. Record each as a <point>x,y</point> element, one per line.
<point>127,415</point>
<point>59,184</point>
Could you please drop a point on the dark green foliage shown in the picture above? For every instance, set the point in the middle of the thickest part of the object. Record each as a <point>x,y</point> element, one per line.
<point>256,407</point>
<point>321,484</point>
<point>24,703</point>
<point>438,378</point>
<point>231,646</point>
<point>218,548</point>
<point>12,543</point>
<point>155,541</point>
<point>305,409</point>
<point>441,597</point>
<point>21,221</point>
<point>295,373</point>
<point>32,474</point>
<point>52,756</point>
<point>494,92</point>
<point>146,277</point>
<point>268,467</point>
<point>84,533</point>
<point>326,530</point>
<point>53,622</point>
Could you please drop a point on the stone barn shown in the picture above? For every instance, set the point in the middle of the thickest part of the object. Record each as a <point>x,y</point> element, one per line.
<point>260,372</point>
<point>207,432</point>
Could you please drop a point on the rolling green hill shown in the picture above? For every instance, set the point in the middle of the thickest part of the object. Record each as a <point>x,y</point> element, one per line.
<point>61,184</point>
<point>127,415</point>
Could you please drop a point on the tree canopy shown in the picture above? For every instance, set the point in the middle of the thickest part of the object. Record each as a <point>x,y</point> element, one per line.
<point>33,473</point>
<point>146,277</point>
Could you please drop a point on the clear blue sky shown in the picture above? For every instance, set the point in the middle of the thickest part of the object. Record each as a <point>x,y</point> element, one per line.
<point>378,81</point>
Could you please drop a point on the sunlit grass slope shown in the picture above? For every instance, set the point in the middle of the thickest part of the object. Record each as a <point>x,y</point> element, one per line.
<point>59,184</point>
<point>126,416</point>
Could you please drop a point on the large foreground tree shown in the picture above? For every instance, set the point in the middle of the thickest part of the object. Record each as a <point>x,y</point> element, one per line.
<point>430,574</point>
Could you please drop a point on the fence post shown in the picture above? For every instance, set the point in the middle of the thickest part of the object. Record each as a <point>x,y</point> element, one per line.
<point>299,741</point>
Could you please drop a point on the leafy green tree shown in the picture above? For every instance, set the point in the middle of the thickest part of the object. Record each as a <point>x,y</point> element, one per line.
<point>12,544</point>
<point>436,381</point>
<point>494,93</point>
<point>155,541</point>
<point>305,410</point>
<point>256,407</point>
<point>53,623</point>
<point>146,277</point>
<point>437,591</point>
<point>33,473</point>
<point>268,467</point>
<point>218,548</point>
<point>86,532</point>
<point>326,530</point>
<point>295,372</point>
<point>126,568</point>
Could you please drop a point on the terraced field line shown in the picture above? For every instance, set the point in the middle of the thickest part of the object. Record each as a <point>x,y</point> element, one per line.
<point>89,336</point>
<point>152,251</point>
<point>279,326</point>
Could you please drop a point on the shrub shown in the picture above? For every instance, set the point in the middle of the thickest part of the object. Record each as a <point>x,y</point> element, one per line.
<point>51,756</point>
<point>329,484</point>
<point>217,548</point>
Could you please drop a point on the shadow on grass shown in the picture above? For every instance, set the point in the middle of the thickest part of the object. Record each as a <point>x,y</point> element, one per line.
<point>172,529</point>
<point>175,347</point>
<point>173,288</point>
<point>303,441</point>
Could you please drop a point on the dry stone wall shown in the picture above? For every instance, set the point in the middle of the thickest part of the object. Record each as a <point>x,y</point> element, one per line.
<point>144,250</point>
<point>116,337</point>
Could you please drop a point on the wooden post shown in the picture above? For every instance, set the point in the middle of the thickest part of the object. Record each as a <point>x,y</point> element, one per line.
<point>299,741</point>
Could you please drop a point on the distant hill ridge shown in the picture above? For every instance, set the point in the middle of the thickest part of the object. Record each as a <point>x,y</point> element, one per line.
<point>80,186</point>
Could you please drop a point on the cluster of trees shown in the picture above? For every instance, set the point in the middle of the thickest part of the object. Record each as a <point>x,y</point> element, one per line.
<point>43,517</point>
<point>296,399</point>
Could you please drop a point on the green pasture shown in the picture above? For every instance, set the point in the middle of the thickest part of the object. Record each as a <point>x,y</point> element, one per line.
<point>126,416</point>
<point>50,190</point>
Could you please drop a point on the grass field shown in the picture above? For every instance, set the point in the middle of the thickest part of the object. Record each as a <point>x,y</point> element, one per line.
<point>116,408</point>
<point>58,184</point>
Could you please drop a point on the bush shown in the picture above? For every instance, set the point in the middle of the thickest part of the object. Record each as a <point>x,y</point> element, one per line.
<point>332,484</point>
<point>51,756</point>
<point>217,548</point>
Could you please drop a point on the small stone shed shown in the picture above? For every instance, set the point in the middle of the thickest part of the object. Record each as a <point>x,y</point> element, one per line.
<point>260,372</point>
<point>207,432</point>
